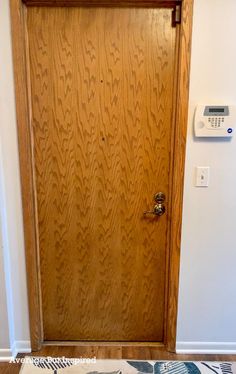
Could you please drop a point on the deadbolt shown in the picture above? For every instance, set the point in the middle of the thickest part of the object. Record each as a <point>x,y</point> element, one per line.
<point>159,197</point>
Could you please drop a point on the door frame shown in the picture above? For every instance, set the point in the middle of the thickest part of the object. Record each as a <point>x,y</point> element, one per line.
<point>23,112</point>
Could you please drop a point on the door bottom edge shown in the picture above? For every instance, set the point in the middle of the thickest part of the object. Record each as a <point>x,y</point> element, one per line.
<point>102,343</point>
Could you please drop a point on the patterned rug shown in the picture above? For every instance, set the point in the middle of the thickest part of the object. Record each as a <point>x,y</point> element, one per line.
<point>34,365</point>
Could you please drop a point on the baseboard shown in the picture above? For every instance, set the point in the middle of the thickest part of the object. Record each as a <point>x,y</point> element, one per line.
<point>206,347</point>
<point>5,355</point>
<point>19,346</point>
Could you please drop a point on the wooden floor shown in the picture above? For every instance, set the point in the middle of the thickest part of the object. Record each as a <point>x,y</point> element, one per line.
<point>116,352</point>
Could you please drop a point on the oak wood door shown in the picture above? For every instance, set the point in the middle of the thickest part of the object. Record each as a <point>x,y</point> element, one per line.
<point>102,91</point>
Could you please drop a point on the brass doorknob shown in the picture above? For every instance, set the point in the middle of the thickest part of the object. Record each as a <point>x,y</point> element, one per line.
<point>159,208</point>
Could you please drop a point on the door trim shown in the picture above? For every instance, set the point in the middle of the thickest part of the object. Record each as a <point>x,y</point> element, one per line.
<point>23,113</point>
<point>102,3</point>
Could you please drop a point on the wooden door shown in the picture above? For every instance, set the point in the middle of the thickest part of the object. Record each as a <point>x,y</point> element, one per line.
<point>102,89</point>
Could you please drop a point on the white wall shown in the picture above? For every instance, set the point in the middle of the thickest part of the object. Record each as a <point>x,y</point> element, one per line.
<point>207,302</point>
<point>4,336</point>
<point>13,296</point>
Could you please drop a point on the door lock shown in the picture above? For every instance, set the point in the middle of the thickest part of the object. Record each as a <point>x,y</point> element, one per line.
<point>159,208</point>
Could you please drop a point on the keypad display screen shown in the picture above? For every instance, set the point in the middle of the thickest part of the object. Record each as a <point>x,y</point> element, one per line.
<point>216,111</point>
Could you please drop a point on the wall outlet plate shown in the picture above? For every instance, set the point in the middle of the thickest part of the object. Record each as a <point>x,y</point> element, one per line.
<point>202,176</point>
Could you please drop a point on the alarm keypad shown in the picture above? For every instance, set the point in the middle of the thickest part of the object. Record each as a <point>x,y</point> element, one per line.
<point>216,122</point>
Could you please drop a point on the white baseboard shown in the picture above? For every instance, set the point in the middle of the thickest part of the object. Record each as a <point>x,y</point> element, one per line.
<point>19,346</point>
<point>206,347</point>
<point>5,355</point>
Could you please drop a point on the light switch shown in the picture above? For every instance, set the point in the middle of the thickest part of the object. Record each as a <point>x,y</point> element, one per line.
<point>202,176</point>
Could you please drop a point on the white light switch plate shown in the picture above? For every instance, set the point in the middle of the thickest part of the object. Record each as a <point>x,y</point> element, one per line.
<point>202,176</point>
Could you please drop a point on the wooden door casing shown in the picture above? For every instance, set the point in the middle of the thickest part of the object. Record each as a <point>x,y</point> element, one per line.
<point>102,95</point>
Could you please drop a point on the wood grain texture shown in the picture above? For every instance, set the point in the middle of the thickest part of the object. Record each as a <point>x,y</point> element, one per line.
<point>26,168</point>
<point>121,351</point>
<point>113,352</point>
<point>181,119</point>
<point>109,3</point>
<point>27,176</point>
<point>102,89</point>
<point>7,368</point>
